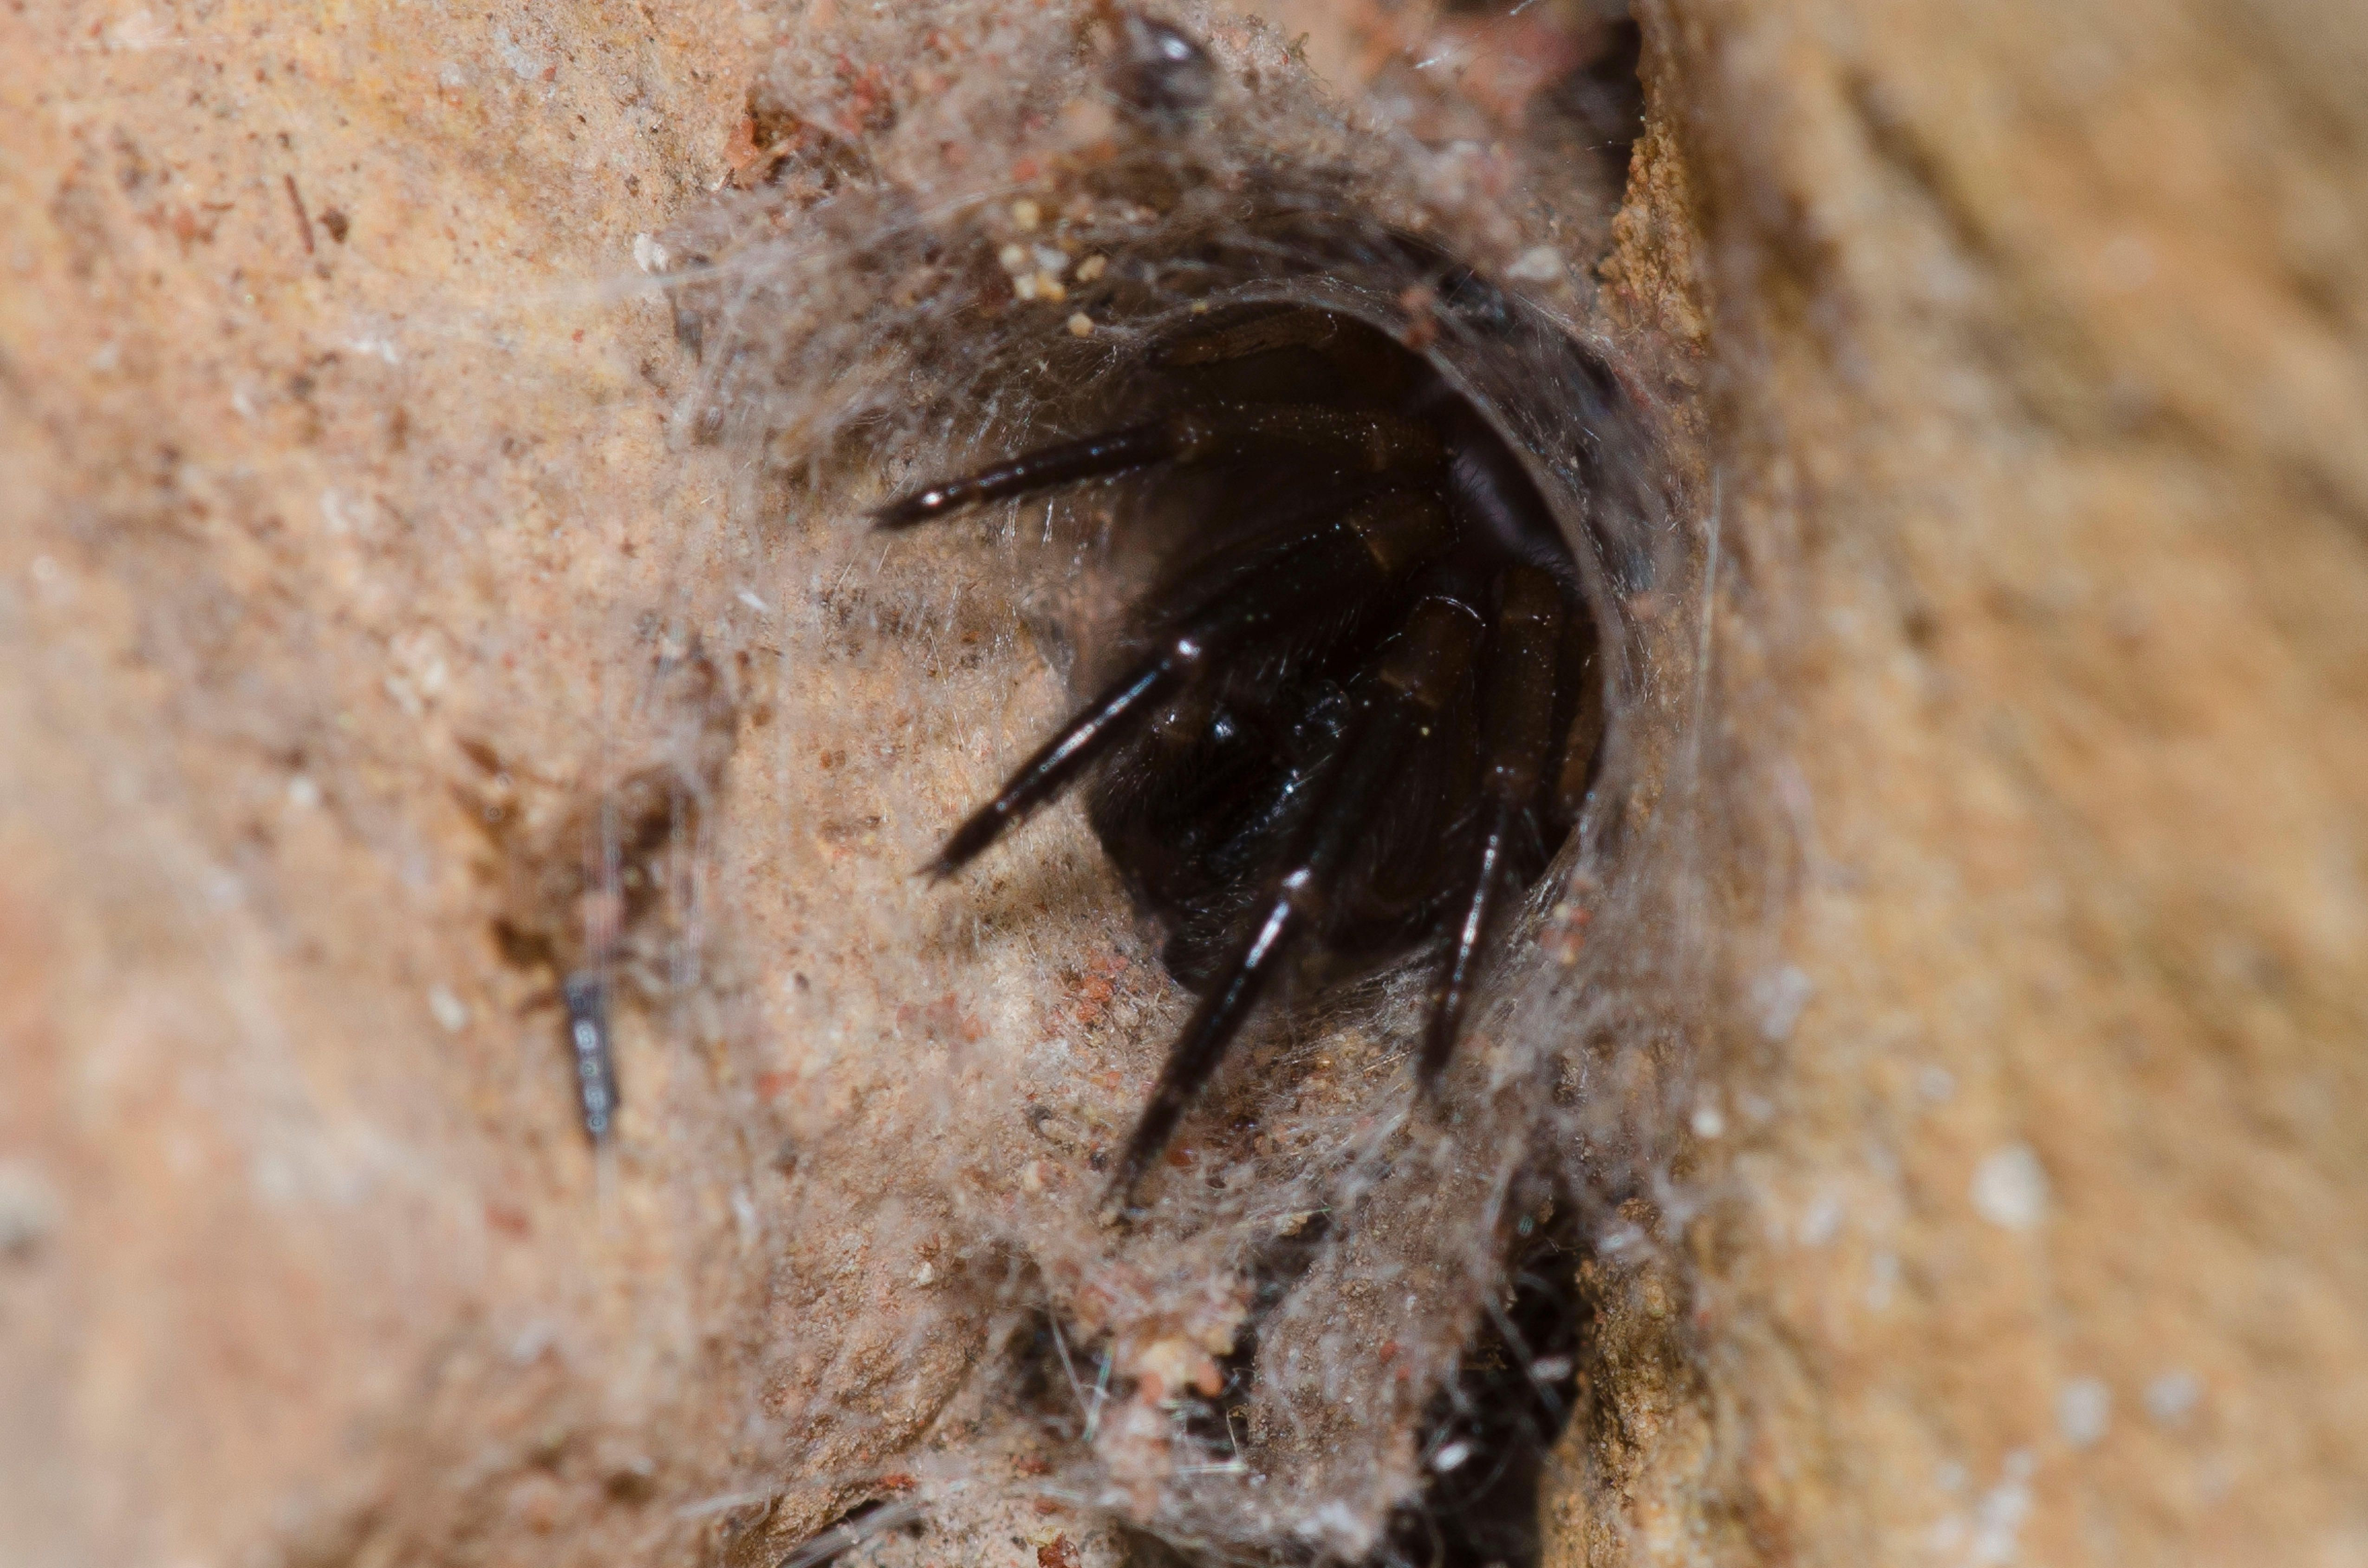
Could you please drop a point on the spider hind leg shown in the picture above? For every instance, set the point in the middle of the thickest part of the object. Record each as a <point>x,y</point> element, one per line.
<point>1416,674</point>
<point>1517,694</point>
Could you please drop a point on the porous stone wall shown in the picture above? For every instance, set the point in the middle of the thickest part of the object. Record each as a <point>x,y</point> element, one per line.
<point>2028,1184</point>
<point>358,576</point>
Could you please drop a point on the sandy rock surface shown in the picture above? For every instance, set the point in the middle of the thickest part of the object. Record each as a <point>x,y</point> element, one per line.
<point>384,647</point>
<point>2030,1180</point>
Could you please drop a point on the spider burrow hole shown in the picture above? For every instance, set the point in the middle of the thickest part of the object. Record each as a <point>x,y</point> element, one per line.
<point>1346,536</point>
<point>1347,685</point>
<point>1206,409</point>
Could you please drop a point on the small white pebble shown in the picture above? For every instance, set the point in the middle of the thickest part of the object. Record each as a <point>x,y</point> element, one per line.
<point>1015,259</point>
<point>648,255</point>
<point>1093,267</point>
<point>1027,214</point>
<point>2084,1409</point>
<point>303,793</point>
<point>924,1274</point>
<point>1081,325</point>
<point>1709,1121</point>
<point>2010,1188</point>
<point>1024,286</point>
<point>448,1009</point>
<point>1048,259</point>
<point>2173,1396</point>
<point>1539,263</point>
<point>1447,1458</point>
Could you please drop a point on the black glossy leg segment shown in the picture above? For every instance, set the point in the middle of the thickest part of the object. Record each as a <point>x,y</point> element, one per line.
<point>1458,968</point>
<point>1214,1023</point>
<point>1112,718</point>
<point>1518,693</point>
<point>1360,552</point>
<point>1047,468</point>
<point>1365,440</point>
<point>1415,677</point>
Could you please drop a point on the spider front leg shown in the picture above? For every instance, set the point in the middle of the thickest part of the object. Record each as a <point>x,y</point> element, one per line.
<point>1518,692</point>
<point>1415,676</point>
<point>1359,553</point>
<point>1367,439</point>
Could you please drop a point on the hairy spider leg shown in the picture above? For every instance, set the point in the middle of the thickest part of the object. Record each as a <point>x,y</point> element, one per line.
<point>1046,467</point>
<point>1374,441</point>
<point>1517,697</point>
<point>1362,551</point>
<point>1415,676</point>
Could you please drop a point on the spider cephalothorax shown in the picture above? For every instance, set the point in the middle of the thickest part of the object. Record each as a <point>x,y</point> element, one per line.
<point>1358,704</point>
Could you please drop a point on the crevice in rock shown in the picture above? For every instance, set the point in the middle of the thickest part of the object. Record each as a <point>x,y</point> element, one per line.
<point>1488,1432</point>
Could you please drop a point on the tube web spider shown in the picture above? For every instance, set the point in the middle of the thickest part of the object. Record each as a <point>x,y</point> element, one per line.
<point>1359,705</point>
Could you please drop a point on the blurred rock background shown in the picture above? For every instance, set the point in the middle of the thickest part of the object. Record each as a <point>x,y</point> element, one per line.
<point>351,558</point>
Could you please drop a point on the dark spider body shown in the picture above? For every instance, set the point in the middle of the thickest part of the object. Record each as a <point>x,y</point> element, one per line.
<point>1359,702</point>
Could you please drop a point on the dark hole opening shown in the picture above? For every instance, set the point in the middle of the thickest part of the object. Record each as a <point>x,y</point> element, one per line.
<point>1487,1435</point>
<point>1603,100</point>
